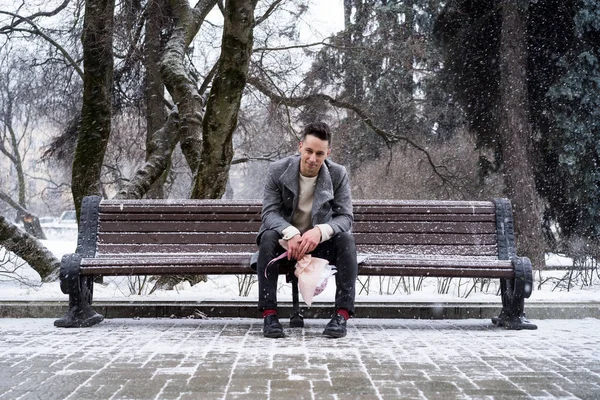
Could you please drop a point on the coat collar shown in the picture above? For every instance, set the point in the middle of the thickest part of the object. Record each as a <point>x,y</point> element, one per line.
<point>323,191</point>
<point>290,176</point>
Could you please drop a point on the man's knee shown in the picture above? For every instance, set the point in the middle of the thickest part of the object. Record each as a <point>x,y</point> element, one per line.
<point>344,238</point>
<point>269,237</point>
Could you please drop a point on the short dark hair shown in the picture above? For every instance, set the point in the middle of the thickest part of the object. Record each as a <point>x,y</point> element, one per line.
<point>318,129</point>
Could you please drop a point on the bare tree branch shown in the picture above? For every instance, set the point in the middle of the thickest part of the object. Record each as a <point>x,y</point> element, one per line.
<point>322,43</point>
<point>268,13</point>
<point>37,31</point>
<point>297,46</point>
<point>439,170</point>
<point>31,222</point>
<point>160,149</point>
<point>14,204</point>
<point>36,15</point>
<point>244,159</point>
<point>208,79</point>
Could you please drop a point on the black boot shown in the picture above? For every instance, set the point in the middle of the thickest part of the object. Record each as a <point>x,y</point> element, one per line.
<point>336,328</point>
<point>272,327</point>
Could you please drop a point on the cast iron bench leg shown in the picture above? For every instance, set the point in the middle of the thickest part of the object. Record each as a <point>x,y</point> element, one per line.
<point>513,292</point>
<point>80,290</point>
<point>297,319</point>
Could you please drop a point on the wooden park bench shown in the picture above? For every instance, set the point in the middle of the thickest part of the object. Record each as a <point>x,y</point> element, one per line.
<point>466,239</point>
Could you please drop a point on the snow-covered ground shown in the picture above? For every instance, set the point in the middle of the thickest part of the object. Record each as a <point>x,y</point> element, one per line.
<point>25,284</point>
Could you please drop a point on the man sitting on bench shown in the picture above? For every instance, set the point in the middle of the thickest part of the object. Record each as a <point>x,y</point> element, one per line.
<point>307,202</point>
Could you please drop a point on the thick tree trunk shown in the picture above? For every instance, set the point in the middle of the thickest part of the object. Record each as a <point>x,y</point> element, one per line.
<point>224,100</point>
<point>95,125</point>
<point>178,81</point>
<point>156,114</point>
<point>29,249</point>
<point>515,131</point>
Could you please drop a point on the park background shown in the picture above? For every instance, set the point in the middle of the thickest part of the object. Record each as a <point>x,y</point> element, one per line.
<point>427,100</point>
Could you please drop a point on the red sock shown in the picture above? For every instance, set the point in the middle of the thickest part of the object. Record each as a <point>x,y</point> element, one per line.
<point>269,311</point>
<point>344,313</point>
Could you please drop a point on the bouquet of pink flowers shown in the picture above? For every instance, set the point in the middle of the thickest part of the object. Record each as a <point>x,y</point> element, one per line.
<point>312,273</point>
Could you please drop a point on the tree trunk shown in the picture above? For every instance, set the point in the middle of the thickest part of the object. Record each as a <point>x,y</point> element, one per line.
<point>31,223</point>
<point>95,125</point>
<point>353,35</point>
<point>156,113</point>
<point>515,131</point>
<point>160,149</point>
<point>29,249</point>
<point>185,95</point>
<point>224,100</point>
<point>178,81</point>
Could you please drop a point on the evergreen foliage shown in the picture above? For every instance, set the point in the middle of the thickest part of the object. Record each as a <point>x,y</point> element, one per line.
<point>573,150</point>
<point>564,98</point>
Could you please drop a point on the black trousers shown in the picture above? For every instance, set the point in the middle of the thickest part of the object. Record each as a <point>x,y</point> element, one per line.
<point>340,251</point>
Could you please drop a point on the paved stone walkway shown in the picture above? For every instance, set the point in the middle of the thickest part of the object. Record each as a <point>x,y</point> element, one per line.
<point>229,359</point>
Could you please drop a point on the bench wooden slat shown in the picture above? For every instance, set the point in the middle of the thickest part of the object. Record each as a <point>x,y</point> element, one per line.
<point>359,217</point>
<point>250,238</point>
<point>186,203</point>
<point>180,226</point>
<point>248,226</point>
<point>178,238</point>
<point>173,208</point>
<point>105,217</point>
<point>200,259</point>
<point>362,271</point>
<point>217,269</point>
<point>373,207</point>
<point>430,249</point>
<point>147,228</point>
<point>138,250</point>
<point>434,271</point>
<point>423,227</point>
<point>135,250</point>
<point>236,265</point>
<point>425,239</point>
<point>373,261</point>
<point>421,203</point>
<point>424,209</point>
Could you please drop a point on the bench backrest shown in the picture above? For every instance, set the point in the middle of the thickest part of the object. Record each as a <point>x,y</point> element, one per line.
<point>466,228</point>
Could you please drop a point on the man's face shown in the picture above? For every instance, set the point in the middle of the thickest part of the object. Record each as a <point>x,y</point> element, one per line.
<point>313,151</point>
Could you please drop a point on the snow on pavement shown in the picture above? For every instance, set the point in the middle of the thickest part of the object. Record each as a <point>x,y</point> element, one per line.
<point>229,358</point>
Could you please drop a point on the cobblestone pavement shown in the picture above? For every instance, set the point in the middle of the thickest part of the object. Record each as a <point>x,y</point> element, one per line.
<point>229,359</point>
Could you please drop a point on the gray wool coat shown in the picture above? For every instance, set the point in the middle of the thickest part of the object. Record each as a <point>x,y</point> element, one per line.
<point>332,203</point>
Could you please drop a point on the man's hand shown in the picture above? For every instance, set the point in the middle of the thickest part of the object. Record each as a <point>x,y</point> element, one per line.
<point>293,248</point>
<point>300,245</point>
<point>310,239</point>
